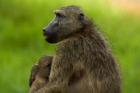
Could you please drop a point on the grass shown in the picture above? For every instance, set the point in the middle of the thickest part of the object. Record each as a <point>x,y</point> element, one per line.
<point>22,43</point>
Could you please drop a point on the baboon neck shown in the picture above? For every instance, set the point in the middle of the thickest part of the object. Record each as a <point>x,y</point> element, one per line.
<point>88,36</point>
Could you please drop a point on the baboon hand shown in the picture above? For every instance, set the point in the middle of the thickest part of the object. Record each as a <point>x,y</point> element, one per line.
<point>34,70</point>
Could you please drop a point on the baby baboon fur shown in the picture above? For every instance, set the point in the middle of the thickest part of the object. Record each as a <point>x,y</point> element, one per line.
<point>80,48</point>
<point>40,73</point>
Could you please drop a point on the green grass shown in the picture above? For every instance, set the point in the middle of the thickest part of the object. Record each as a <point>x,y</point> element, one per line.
<point>22,42</point>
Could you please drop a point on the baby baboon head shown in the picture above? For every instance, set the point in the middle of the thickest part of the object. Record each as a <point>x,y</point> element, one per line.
<point>68,20</point>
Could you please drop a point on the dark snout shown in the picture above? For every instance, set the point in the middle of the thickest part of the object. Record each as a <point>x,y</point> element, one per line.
<point>47,31</point>
<point>50,33</point>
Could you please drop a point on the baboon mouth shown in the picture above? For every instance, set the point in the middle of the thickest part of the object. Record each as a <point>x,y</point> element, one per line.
<point>50,39</point>
<point>45,36</point>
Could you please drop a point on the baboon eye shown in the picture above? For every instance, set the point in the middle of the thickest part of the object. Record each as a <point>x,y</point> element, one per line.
<point>58,15</point>
<point>81,16</point>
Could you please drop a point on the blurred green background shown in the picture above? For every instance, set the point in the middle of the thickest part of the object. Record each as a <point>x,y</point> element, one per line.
<point>22,42</point>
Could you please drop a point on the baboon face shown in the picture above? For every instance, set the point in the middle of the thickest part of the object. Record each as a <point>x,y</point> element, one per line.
<point>67,21</point>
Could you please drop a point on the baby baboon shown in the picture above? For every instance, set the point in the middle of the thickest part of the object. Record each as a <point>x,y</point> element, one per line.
<point>80,48</point>
<point>40,74</point>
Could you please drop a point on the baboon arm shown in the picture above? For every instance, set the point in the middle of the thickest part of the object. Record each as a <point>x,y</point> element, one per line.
<point>34,71</point>
<point>59,76</point>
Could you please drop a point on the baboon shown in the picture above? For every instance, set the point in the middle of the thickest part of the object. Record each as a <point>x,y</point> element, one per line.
<point>40,73</point>
<point>80,47</point>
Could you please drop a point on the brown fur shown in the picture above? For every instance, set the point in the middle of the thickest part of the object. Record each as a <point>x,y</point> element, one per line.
<point>40,73</point>
<point>81,49</point>
<point>40,76</point>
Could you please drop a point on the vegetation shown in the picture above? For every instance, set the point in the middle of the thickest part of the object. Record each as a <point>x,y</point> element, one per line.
<point>22,42</point>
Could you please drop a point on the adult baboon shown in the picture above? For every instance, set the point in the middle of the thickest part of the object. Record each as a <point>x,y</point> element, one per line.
<point>80,48</point>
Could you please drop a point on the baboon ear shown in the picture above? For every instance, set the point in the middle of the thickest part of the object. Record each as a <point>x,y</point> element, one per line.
<point>81,16</point>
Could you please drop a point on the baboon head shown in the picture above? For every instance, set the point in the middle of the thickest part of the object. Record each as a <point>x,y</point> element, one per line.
<point>68,20</point>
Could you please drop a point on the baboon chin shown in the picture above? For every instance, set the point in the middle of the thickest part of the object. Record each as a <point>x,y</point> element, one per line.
<point>81,50</point>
